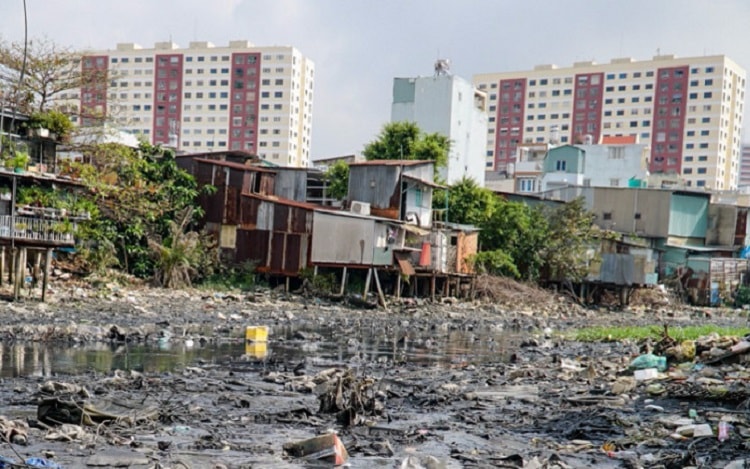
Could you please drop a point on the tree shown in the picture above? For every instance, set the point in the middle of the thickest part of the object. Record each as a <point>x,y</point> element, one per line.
<point>518,232</point>
<point>405,141</point>
<point>337,178</point>
<point>142,197</point>
<point>49,71</point>
<point>570,234</point>
<point>468,202</point>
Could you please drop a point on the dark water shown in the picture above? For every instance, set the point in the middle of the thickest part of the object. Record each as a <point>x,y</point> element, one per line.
<point>317,345</point>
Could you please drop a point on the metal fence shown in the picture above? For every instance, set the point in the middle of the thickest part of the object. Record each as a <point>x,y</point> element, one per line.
<point>37,229</point>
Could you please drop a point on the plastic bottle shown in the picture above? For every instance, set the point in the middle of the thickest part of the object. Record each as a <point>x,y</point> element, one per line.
<point>649,360</point>
<point>723,431</point>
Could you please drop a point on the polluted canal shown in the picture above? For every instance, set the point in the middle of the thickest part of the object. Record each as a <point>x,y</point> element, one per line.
<point>131,380</point>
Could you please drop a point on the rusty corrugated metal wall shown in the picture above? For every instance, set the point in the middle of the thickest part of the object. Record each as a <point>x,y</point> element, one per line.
<point>275,235</point>
<point>377,186</point>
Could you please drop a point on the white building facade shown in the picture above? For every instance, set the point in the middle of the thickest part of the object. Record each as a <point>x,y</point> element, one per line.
<point>207,98</point>
<point>453,107</point>
<point>688,110</point>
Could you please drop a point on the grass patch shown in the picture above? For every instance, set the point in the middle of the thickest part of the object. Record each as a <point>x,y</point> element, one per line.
<point>614,333</point>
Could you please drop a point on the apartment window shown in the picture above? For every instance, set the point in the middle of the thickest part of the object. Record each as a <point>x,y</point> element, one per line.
<point>708,94</point>
<point>687,171</point>
<point>700,183</point>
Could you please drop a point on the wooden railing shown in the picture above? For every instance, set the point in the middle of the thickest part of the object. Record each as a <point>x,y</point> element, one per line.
<point>37,229</point>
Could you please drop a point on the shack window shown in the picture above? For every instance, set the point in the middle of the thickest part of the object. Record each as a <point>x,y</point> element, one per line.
<point>454,240</point>
<point>256,183</point>
<point>418,196</point>
<point>607,216</point>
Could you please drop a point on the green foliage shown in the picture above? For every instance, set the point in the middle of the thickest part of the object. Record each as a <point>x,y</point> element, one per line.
<point>495,262</point>
<point>615,333</point>
<point>53,120</point>
<point>323,282</point>
<point>742,297</point>
<point>241,277</point>
<point>18,161</point>
<point>468,202</point>
<point>518,231</point>
<point>571,233</point>
<point>178,256</point>
<point>141,198</point>
<point>337,177</point>
<point>520,241</point>
<point>405,141</point>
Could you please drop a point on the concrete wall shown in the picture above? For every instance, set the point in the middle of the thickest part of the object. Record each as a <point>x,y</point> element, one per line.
<point>448,105</point>
<point>614,165</point>
<point>645,212</point>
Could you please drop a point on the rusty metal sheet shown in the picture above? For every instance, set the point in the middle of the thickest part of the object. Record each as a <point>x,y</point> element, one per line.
<point>215,206</point>
<point>252,245</point>
<point>231,216</point>
<point>280,217</point>
<point>299,222</point>
<point>277,252</point>
<point>405,266</point>
<point>292,254</point>
<point>248,216</point>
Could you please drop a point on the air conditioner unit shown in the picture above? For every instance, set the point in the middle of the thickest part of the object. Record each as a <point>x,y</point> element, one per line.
<point>360,208</point>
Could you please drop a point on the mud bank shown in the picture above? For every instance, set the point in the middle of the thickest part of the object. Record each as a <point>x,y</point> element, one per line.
<point>422,385</point>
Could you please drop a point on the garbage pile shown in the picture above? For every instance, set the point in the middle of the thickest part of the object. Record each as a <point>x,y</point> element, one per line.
<point>695,399</point>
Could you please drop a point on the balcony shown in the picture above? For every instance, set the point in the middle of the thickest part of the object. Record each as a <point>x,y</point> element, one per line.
<point>35,230</point>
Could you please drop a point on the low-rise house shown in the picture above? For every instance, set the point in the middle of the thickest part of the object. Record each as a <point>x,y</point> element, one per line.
<point>395,189</point>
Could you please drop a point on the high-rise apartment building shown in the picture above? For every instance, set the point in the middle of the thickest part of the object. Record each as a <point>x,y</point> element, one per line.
<point>453,107</point>
<point>205,97</point>
<point>745,166</point>
<point>688,110</point>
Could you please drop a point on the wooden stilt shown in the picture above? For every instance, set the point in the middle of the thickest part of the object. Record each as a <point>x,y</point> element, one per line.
<point>380,290</point>
<point>343,282</point>
<point>398,286</point>
<point>37,267</point>
<point>367,284</point>
<point>47,262</point>
<point>433,281</point>
<point>286,284</point>
<point>2,263</point>
<point>18,275</point>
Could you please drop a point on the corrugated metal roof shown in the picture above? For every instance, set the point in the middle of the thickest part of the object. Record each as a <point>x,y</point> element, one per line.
<point>423,182</point>
<point>290,203</point>
<point>228,164</point>
<point>392,163</point>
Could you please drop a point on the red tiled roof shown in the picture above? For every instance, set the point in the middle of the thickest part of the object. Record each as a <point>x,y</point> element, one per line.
<point>620,140</point>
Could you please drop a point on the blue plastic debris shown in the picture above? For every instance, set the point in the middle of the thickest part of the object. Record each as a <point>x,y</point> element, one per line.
<point>41,462</point>
<point>5,463</point>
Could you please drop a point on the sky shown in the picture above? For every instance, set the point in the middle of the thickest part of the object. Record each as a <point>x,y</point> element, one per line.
<point>359,46</point>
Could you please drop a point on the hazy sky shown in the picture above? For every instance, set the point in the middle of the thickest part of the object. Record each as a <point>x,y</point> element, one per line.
<point>359,46</point>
